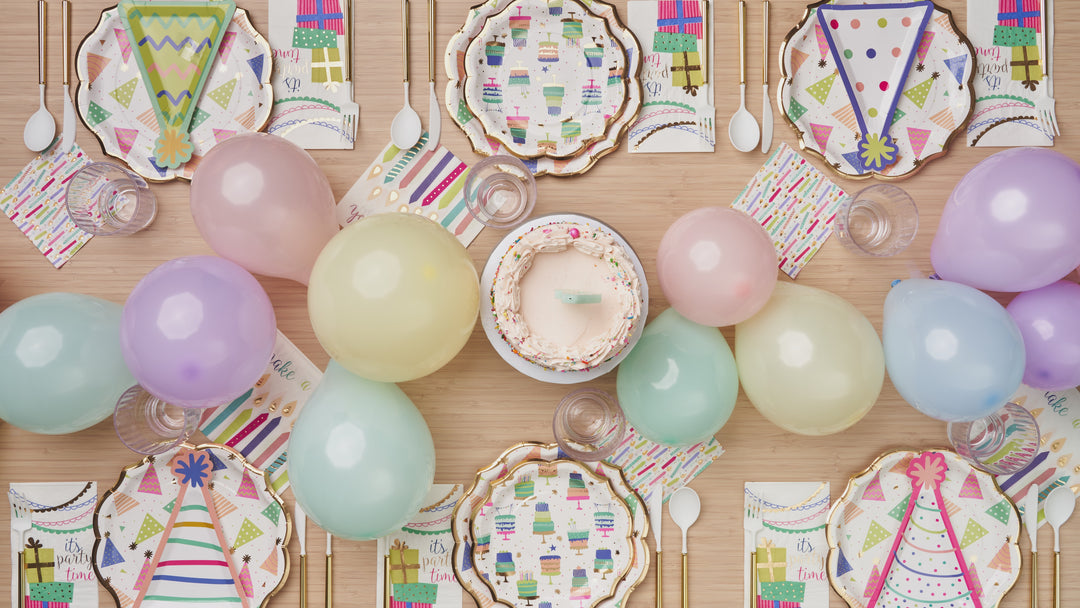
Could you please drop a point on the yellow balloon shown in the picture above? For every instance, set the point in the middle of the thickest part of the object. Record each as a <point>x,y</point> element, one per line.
<point>393,297</point>
<point>809,361</point>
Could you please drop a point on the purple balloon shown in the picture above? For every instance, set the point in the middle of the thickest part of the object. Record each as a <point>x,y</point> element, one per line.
<point>1012,222</point>
<point>1049,320</point>
<point>198,331</point>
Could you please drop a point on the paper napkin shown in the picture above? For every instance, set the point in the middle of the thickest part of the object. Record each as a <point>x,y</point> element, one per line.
<point>650,467</point>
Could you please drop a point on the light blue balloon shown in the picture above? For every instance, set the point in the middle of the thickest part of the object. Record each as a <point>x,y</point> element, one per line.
<point>679,384</point>
<point>61,369</point>
<point>361,458</point>
<point>952,351</point>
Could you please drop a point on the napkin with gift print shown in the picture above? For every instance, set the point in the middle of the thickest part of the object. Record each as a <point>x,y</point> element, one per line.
<point>59,545</point>
<point>791,548</point>
<point>1010,49</point>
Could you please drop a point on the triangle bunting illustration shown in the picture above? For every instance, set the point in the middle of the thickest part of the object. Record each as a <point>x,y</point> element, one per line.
<point>873,46</point>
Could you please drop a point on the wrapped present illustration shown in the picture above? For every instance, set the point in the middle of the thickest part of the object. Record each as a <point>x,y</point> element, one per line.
<point>327,66</point>
<point>1025,66</point>
<point>771,563</point>
<point>686,71</point>
<point>320,15</point>
<point>1020,13</point>
<point>40,563</point>
<point>404,564</point>
<point>50,595</point>
<point>680,17</point>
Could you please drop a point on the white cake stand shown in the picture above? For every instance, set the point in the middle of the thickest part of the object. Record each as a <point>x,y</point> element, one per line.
<point>523,365</point>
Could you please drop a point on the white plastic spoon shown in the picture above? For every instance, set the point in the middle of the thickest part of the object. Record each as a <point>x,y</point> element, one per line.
<point>405,130</point>
<point>41,127</point>
<point>684,507</point>
<point>1058,508</point>
<point>743,129</point>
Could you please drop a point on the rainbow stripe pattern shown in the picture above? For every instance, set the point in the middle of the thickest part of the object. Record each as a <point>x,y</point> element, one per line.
<point>795,203</point>
<point>650,467</point>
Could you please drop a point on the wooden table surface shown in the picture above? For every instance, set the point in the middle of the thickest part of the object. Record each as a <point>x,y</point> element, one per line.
<point>640,195</point>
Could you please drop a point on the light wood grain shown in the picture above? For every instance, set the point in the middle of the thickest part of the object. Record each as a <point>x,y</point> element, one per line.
<point>640,195</point>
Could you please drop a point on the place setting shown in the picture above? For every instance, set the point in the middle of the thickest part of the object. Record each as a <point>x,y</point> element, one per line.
<point>280,332</point>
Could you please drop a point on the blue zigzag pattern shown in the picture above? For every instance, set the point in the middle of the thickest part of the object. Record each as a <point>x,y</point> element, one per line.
<point>159,44</point>
<point>178,98</point>
<point>204,22</point>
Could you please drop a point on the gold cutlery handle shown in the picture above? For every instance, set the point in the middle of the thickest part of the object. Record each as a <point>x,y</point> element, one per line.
<point>431,40</point>
<point>386,581</point>
<point>1034,579</point>
<point>753,577</point>
<point>742,42</point>
<point>765,44</point>
<point>329,580</point>
<point>1057,579</point>
<point>405,39</point>
<point>65,42</point>
<point>41,16</point>
<point>303,581</point>
<point>659,580</point>
<point>22,580</point>
<point>685,584</point>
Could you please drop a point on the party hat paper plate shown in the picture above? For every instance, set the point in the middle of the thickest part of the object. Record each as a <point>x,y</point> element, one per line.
<point>873,46</point>
<point>175,43</point>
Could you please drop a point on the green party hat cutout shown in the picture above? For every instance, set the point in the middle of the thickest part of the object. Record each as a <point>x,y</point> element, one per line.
<point>1002,511</point>
<point>920,92</point>
<point>248,532</point>
<point>175,43</point>
<point>125,92</point>
<point>150,527</point>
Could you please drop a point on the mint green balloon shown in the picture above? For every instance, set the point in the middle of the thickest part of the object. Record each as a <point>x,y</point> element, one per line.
<point>679,384</point>
<point>361,458</point>
<point>61,369</point>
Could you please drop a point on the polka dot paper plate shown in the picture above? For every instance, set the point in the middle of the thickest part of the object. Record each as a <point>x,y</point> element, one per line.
<point>195,524</point>
<point>876,89</point>
<point>923,529</point>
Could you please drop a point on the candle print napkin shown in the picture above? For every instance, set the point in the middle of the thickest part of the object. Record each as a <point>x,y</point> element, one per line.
<point>1010,49</point>
<point>791,548</point>
<point>422,180</point>
<point>35,201</point>
<point>310,79</point>
<point>650,467</point>
<point>421,555</point>
<point>257,424</point>
<point>58,546</point>
<point>1058,415</point>
<point>677,114</point>
<point>795,203</point>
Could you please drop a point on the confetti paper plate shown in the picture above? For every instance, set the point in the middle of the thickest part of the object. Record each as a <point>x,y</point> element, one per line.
<point>821,100</point>
<point>584,160</point>
<point>923,529</point>
<point>194,522</point>
<point>474,498</point>
<point>113,102</point>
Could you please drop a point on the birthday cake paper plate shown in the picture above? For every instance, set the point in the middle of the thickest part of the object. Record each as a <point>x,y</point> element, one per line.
<point>474,558</point>
<point>879,88</point>
<point>923,529</point>
<point>546,93</point>
<point>487,145</point>
<point>114,103</point>
<point>195,524</point>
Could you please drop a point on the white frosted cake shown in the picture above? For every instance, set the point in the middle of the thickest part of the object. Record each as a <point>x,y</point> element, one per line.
<point>530,307</point>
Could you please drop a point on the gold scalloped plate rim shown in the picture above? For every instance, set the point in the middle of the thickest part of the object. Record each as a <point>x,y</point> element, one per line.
<point>83,89</point>
<point>834,552</point>
<point>257,472</point>
<point>459,545</point>
<point>616,141</point>
<point>499,136</point>
<point>919,163</point>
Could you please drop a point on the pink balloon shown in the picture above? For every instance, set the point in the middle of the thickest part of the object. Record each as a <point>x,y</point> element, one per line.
<point>717,266</point>
<point>197,331</point>
<point>262,202</point>
<point>1012,222</point>
<point>1049,321</point>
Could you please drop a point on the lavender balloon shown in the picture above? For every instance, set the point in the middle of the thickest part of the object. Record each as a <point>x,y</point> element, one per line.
<point>1049,321</point>
<point>197,331</point>
<point>1012,222</point>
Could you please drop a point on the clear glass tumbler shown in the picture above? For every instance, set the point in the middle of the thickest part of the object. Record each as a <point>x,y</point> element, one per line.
<point>500,192</point>
<point>107,199</point>
<point>589,424</point>
<point>1002,443</point>
<point>880,220</point>
<point>148,425</point>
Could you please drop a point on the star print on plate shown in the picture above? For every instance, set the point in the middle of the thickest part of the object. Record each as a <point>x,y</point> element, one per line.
<point>873,46</point>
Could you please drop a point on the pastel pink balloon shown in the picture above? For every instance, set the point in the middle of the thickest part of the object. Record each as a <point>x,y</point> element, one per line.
<point>717,266</point>
<point>261,201</point>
